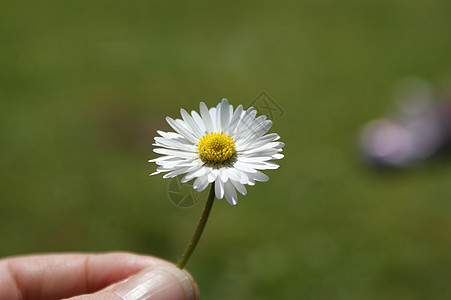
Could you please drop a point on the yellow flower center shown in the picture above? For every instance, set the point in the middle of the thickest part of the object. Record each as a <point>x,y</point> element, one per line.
<point>216,149</point>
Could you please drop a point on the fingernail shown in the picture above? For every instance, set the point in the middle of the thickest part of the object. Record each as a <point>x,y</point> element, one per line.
<point>159,282</point>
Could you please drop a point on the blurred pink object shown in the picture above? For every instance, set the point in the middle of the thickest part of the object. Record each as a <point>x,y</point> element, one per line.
<point>418,130</point>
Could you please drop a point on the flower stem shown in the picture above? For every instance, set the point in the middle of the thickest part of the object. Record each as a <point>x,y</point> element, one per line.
<point>199,229</point>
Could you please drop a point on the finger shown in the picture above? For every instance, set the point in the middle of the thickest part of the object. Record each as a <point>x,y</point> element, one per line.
<point>160,282</point>
<point>66,275</point>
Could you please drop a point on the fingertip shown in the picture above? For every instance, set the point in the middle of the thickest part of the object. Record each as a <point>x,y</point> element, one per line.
<point>163,281</point>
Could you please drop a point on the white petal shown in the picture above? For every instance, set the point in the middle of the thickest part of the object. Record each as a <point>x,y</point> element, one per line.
<point>206,117</point>
<point>259,127</point>
<point>162,158</point>
<point>186,127</point>
<point>245,167</point>
<point>259,176</point>
<point>267,152</point>
<point>234,174</point>
<point>239,187</point>
<point>198,172</point>
<point>174,152</point>
<point>246,145</point>
<point>200,183</point>
<point>179,171</point>
<point>174,144</point>
<point>225,117</point>
<point>264,165</point>
<point>272,136</point>
<point>245,123</point>
<point>223,174</point>
<point>212,175</point>
<point>252,159</point>
<point>181,130</point>
<point>235,119</point>
<point>218,117</point>
<point>199,121</point>
<point>278,156</point>
<point>230,193</point>
<point>244,179</point>
<point>169,165</point>
<point>170,135</point>
<point>214,120</point>
<point>219,189</point>
<point>264,128</point>
<point>265,147</point>
<point>169,159</point>
<point>190,121</point>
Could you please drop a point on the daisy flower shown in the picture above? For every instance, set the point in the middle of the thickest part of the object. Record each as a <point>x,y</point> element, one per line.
<point>222,146</point>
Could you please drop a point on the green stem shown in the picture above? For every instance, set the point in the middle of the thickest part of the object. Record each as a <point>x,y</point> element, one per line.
<point>200,227</point>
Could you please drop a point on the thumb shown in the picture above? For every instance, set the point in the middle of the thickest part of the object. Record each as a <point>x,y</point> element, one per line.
<point>159,282</point>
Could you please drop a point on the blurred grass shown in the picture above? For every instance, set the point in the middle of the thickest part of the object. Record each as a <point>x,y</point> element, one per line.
<point>84,86</point>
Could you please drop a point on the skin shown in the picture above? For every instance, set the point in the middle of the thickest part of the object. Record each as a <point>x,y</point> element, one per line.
<point>57,276</point>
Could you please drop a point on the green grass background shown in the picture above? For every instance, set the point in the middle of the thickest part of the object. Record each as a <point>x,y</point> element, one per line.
<point>84,85</point>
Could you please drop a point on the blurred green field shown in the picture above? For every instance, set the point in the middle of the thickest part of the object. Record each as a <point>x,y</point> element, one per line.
<point>84,86</point>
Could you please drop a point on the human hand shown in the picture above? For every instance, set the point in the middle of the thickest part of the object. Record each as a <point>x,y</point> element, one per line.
<point>108,276</point>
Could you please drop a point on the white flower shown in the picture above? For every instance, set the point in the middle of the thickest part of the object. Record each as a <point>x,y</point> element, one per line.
<point>220,145</point>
